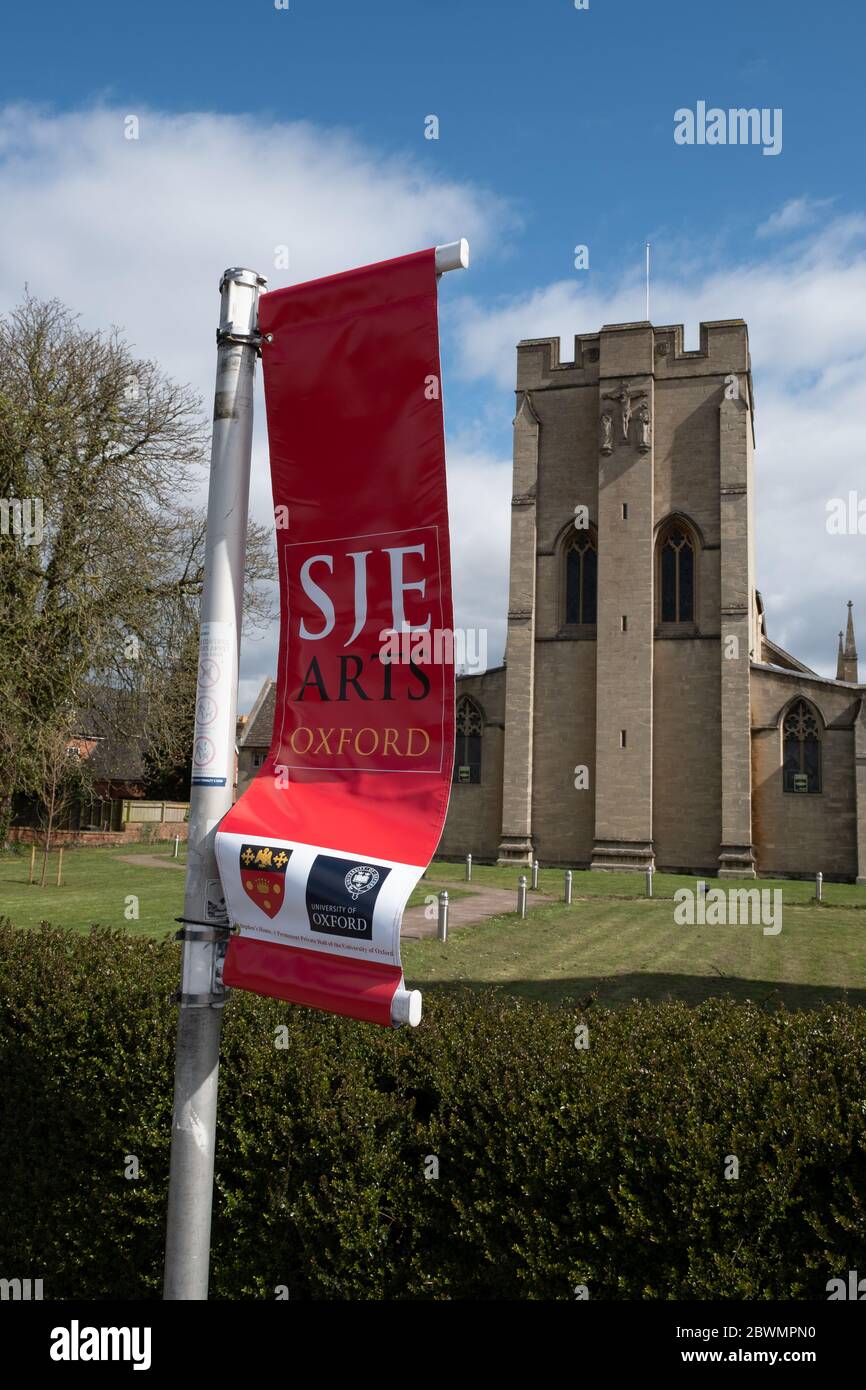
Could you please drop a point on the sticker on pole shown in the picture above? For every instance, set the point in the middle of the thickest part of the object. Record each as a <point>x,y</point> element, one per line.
<point>212,735</point>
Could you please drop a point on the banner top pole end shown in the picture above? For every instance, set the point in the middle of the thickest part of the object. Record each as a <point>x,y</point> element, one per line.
<point>240,275</point>
<point>454,256</point>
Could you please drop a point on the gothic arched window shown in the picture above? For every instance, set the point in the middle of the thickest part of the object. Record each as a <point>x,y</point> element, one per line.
<point>581,579</point>
<point>467,753</point>
<point>676,573</point>
<point>801,749</point>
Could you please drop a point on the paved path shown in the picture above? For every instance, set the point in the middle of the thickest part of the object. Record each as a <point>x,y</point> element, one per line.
<point>468,911</point>
<point>479,903</point>
<point>152,861</point>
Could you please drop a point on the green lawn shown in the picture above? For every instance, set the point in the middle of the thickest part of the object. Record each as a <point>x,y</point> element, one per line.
<point>95,888</point>
<point>97,882</point>
<point>617,951</point>
<point>611,885</point>
<point>612,943</point>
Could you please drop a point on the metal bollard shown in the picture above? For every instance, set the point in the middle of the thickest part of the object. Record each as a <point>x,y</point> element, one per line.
<point>469,868</point>
<point>568,885</point>
<point>649,881</point>
<point>442,918</point>
<point>819,887</point>
<point>535,874</point>
<point>521,895</point>
<point>176,845</point>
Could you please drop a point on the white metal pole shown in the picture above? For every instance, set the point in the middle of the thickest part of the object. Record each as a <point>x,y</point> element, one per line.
<point>521,895</point>
<point>205,925</point>
<point>442,916</point>
<point>647,280</point>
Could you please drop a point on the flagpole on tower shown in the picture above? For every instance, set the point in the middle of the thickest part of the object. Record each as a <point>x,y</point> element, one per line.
<point>205,926</point>
<point>647,281</point>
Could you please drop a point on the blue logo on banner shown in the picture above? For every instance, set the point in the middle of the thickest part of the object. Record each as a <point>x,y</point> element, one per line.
<point>341,896</point>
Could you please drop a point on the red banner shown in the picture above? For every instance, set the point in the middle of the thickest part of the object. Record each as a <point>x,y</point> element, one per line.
<point>321,853</point>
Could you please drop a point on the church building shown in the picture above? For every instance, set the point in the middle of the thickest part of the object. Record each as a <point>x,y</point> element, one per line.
<point>644,716</point>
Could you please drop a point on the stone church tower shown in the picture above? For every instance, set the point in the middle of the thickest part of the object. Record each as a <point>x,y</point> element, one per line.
<point>643,715</point>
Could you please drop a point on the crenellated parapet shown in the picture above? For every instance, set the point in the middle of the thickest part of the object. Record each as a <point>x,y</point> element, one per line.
<point>637,348</point>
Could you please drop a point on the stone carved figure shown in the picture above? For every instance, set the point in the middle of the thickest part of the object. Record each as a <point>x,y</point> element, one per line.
<point>624,397</point>
<point>606,432</point>
<point>644,425</point>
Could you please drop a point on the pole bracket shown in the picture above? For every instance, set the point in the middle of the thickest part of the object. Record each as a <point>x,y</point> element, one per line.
<point>254,339</point>
<point>199,1001</point>
<point>202,931</point>
<point>212,938</point>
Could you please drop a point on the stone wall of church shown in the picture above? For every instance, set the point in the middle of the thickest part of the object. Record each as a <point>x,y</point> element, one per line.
<point>686,454</point>
<point>687,709</point>
<point>564,730</point>
<point>679,735</point>
<point>800,833</point>
<point>687,793</point>
<point>475,810</point>
<point>563,816</point>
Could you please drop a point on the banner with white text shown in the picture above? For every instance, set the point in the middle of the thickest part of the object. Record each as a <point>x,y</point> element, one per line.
<point>321,853</point>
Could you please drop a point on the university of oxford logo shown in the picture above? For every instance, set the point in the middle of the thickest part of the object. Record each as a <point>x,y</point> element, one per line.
<point>263,875</point>
<point>360,880</point>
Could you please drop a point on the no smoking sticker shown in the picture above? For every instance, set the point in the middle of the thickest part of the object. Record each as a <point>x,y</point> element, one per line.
<point>212,743</point>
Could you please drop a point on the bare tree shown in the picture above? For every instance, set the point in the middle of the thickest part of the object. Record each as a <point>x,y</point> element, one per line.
<point>107,599</point>
<point>61,780</point>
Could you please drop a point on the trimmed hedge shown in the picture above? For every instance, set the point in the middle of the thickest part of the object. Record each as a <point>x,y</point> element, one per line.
<point>557,1166</point>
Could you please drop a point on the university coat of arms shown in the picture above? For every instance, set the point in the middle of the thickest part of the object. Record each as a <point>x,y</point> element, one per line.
<point>263,875</point>
<point>360,880</point>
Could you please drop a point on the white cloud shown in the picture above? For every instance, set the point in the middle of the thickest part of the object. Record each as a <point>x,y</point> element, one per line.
<point>479,507</point>
<point>794,215</point>
<point>137,232</point>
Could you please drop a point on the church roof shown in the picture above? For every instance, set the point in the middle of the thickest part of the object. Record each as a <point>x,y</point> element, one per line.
<point>803,675</point>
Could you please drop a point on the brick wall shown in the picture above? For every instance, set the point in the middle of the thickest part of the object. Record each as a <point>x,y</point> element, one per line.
<point>140,833</point>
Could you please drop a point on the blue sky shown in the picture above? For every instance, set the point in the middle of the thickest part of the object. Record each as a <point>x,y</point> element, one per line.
<point>567,113</point>
<point>556,128</point>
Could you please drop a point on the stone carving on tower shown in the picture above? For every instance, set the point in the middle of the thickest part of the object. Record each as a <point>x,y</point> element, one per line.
<point>606,432</point>
<point>644,426</point>
<point>624,398</point>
